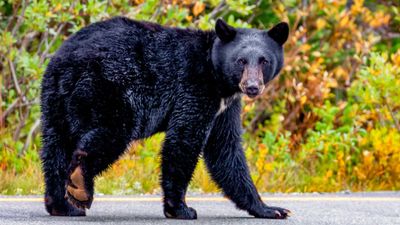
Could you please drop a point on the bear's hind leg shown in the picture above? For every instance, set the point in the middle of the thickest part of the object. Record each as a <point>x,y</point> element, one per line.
<point>55,163</point>
<point>79,187</point>
<point>97,149</point>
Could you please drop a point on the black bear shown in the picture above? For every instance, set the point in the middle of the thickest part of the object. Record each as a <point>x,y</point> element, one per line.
<point>122,80</point>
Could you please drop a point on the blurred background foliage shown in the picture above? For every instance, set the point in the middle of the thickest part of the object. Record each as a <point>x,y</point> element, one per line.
<point>329,122</point>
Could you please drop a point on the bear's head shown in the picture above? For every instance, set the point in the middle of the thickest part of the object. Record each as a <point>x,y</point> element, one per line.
<point>247,59</point>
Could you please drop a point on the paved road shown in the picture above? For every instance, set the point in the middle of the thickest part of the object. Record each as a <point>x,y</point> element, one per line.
<point>320,209</point>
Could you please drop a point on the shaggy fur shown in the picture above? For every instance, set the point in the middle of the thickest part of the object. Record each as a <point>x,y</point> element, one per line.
<point>121,80</point>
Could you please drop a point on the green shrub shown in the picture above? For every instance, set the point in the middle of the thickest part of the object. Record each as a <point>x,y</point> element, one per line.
<point>329,122</point>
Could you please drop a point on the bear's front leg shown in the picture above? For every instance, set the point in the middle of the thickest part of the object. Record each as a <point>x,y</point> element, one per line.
<point>226,162</point>
<point>183,143</point>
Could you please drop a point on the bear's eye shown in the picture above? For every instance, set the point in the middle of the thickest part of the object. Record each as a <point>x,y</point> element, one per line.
<point>241,61</point>
<point>264,61</point>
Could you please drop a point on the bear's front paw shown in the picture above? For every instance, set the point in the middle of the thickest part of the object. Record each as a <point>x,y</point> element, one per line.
<point>271,212</point>
<point>182,212</point>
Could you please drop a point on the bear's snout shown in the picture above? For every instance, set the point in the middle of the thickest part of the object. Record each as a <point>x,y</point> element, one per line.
<point>252,90</point>
<point>252,83</point>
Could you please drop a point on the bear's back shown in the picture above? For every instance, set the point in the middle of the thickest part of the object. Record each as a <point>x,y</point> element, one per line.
<point>107,35</point>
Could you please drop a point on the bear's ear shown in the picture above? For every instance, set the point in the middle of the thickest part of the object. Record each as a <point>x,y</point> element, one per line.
<point>225,32</point>
<point>279,33</point>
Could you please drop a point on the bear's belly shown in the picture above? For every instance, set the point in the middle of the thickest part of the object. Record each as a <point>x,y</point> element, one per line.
<point>149,114</point>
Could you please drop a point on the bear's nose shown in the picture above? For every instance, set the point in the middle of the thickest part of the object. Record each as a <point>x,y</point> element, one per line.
<point>252,90</point>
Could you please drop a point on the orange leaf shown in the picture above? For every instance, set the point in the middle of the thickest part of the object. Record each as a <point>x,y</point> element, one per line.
<point>198,8</point>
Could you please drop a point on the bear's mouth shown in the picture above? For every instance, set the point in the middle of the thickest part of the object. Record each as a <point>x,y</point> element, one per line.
<point>251,95</point>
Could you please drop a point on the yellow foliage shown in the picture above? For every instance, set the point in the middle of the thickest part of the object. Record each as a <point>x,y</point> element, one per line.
<point>357,7</point>
<point>321,23</point>
<point>58,7</point>
<point>138,2</point>
<point>382,157</point>
<point>396,58</point>
<point>198,8</point>
<point>303,99</point>
<point>328,45</point>
<point>379,19</point>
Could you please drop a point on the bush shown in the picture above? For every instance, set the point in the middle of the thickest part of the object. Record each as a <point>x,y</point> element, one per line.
<point>329,122</point>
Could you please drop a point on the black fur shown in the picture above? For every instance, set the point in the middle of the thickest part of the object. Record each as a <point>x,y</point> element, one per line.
<point>122,80</point>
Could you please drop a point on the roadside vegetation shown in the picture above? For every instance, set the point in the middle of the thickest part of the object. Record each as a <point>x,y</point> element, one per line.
<point>329,122</point>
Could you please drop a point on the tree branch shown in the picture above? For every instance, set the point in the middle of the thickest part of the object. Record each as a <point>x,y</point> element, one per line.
<point>8,111</point>
<point>15,80</point>
<point>44,54</point>
<point>220,7</point>
<point>31,135</point>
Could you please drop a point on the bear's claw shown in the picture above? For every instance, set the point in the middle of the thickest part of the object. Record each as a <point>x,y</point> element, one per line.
<point>272,213</point>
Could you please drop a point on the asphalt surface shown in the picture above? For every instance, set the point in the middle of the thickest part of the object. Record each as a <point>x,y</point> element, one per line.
<point>381,208</point>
